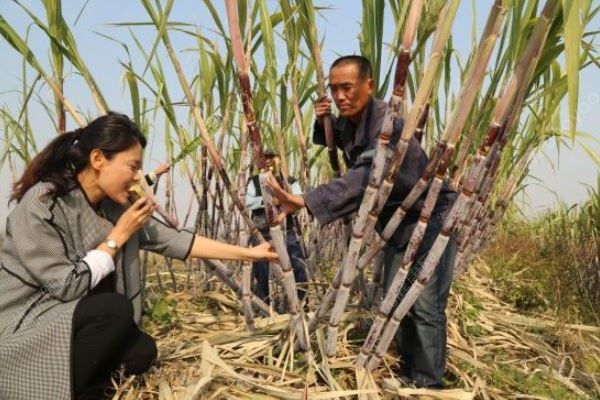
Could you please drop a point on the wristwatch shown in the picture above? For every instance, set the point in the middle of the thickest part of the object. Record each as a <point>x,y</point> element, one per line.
<point>111,244</point>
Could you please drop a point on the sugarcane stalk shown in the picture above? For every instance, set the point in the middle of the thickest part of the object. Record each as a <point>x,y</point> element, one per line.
<point>445,147</point>
<point>285,264</point>
<point>421,99</point>
<point>228,277</point>
<point>247,295</point>
<point>277,236</point>
<point>377,172</point>
<point>373,286</point>
<point>474,179</point>
<point>474,220</point>
<point>300,132</point>
<point>330,295</point>
<point>244,237</point>
<point>313,45</point>
<point>351,259</point>
<point>204,181</point>
<point>398,99</point>
<point>398,96</point>
<point>487,224</point>
<point>462,159</point>
<point>214,155</point>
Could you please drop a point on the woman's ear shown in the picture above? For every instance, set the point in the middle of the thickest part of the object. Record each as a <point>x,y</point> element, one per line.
<point>97,159</point>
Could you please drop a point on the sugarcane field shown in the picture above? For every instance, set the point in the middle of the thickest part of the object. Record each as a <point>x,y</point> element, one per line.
<point>299,199</point>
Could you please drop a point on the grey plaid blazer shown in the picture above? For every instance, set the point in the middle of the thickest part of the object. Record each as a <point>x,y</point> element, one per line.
<point>43,276</point>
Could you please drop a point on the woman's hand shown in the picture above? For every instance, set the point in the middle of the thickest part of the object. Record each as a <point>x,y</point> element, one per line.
<point>132,219</point>
<point>263,251</point>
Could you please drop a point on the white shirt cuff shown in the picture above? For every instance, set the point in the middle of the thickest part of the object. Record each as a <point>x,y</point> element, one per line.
<point>101,264</point>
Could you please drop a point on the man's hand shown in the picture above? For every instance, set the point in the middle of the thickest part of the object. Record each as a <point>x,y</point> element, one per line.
<point>289,203</point>
<point>162,168</point>
<point>322,108</point>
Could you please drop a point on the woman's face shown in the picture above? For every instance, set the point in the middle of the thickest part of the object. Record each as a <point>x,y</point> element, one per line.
<point>119,172</point>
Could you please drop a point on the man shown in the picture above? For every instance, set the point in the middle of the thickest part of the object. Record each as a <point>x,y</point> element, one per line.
<point>422,338</point>
<point>254,203</point>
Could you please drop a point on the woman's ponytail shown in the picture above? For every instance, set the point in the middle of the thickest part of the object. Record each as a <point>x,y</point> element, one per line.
<point>53,164</point>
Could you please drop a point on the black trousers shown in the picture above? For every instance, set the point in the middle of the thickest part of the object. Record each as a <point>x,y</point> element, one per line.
<point>104,338</point>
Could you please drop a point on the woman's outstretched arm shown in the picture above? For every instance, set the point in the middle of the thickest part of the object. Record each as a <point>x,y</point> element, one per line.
<point>204,247</point>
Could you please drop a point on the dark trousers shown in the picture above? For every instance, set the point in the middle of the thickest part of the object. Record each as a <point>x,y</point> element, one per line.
<point>421,338</point>
<point>104,338</point>
<point>260,269</point>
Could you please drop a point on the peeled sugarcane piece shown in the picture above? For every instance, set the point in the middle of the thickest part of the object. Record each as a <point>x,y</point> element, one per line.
<point>228,277</point>
<point>136,191</point>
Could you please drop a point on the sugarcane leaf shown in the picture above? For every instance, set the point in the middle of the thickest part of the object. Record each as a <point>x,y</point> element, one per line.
<point>572,14</point>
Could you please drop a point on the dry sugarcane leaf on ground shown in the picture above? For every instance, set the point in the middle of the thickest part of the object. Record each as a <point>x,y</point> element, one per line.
<point>393,386</point>
<point>489,356</point>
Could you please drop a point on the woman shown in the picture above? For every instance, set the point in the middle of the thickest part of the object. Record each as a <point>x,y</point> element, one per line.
<point>70,301</point>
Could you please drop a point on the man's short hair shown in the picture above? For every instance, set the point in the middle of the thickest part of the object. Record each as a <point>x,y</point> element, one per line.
<point>362,63</point>
<point>270,153</point>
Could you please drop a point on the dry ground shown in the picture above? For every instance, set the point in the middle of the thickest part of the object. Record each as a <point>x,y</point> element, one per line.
<point>206,352</point>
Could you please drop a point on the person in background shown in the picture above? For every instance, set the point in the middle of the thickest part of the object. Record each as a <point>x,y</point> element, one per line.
<point>254,203</point>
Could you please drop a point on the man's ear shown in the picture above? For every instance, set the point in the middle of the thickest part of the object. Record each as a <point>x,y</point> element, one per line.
<point>97,159</point>
<point>371,84</point>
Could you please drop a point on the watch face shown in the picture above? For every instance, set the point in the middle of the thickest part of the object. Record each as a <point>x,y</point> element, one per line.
<point>111,244</point>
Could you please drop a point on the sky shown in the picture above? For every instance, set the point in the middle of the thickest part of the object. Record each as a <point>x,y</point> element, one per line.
<point>555,175</point>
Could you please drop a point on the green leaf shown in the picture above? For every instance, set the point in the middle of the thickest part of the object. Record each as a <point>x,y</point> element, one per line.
<point>572,14</point>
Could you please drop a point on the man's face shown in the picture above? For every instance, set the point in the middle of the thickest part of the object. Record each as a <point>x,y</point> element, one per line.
<point>350,92</point>
<point>271,162</point>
